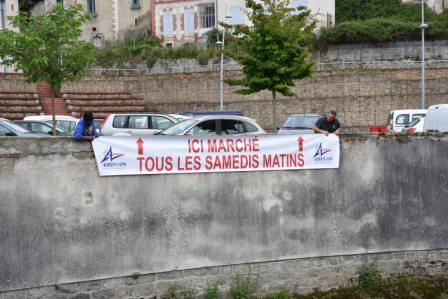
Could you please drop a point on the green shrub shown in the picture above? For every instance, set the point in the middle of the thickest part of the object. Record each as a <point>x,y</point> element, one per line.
<point>203,57</point>
<point>243,288</point>
<point>212,291</point>
<point>370,280</point>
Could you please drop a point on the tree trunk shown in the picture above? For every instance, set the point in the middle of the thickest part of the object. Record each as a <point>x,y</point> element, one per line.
<point>274,114</point>
<point>53,113</point>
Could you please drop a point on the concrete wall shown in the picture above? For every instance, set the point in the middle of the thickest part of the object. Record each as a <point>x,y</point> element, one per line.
<point>60,222</point>
<point>397,51</point>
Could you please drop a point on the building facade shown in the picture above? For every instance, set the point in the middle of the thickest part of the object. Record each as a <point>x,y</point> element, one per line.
<point>438,5</point>
<point>111,19</point>
<point>186,21</point>
<point>8,8</point>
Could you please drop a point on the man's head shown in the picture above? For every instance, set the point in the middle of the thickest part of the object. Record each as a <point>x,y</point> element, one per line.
<point>331,115</point>
<point>88,118</point>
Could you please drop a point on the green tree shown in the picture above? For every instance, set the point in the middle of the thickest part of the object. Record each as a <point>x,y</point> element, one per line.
<point>48,47</point>
<point>275,49</point>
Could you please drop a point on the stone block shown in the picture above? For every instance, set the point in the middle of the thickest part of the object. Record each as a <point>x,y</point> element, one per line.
<point>170,275</point>
<point>399,256</point>
<point>201,272</point>
<point>117,293</point>
<point>92,285</point>
<point>141,279</point>
<point>112,282</point>
<point>80,296</point>
<point>144,290</point>
<point>303,263</point>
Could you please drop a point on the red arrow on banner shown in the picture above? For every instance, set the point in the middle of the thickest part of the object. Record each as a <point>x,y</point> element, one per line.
<point>140,146</point>
<point>300,142</point>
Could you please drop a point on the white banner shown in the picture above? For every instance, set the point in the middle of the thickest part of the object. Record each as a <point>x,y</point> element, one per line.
<point>187,154</point>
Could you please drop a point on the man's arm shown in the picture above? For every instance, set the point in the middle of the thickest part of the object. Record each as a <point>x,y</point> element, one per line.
<point>78,134</point>
<point>317,130</point>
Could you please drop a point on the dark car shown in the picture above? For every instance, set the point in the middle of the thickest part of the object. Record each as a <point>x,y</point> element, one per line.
<point>8,128</point>
<point>41,127</point>
<point>299,124</point>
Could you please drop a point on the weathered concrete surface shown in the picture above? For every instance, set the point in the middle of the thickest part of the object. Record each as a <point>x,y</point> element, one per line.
<point>60,222</point>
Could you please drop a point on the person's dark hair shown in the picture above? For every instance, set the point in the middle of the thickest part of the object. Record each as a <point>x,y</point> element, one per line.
<point>332,112</point>
<point>87,117</point>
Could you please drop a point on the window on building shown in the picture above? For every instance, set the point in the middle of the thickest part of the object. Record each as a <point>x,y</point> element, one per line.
<point>60,2</point>
<point>329,20</point>
<point>167,23</point>
<point>237,14</point>
<point>189,21</point>
<point>135,21</point>
<point>91,7</point>
<point>2,14</point>
<point>136,4</point>
<point>207,15</point>
<point>98,41</point>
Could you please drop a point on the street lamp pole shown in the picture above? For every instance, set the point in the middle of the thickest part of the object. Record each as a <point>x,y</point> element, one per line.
<point>221,83</point>
<point>423,26</point>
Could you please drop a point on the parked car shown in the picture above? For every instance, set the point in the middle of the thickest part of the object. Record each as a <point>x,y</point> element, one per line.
<point>210,125</point>
<point>8,128</point>
<point>68,123</point>
<point>415,126</point>
<point>299,124</point>
<point>136,124</point>
<point>41,127</point>
<point>191,113</point>
<point>179,117</point>
<point>436,119</point>
<point>400,118</point>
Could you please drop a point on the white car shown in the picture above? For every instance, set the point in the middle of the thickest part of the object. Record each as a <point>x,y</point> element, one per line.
<point>436,119</point>
<point>400,118</point>
<point>136,124</point>
<point>68,123</point>
<point>210,125</point>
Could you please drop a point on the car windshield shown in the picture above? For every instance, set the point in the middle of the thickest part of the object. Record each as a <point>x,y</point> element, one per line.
<point>14,127</point>
<point>300,122</point>
<point>179,127</point>
<point>413,123</point>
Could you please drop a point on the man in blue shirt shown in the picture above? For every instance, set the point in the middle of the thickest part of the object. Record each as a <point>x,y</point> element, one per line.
<point>85,129</point>
<point>327,124</point>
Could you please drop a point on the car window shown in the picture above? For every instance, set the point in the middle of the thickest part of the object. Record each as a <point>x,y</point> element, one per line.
<point>413,122</point>
<point>249,128</point>
<point>179,127</point>
<point>205,128</point>
<point>419,116</point>
<point>138,122</point>
<point>119,121</point>
<point>40,128</point>
<point>3,130</point>
<point>300,122</point>
<point>160,122</point>
<point>26,126</point>
<point>230,126</point>
<point>402,119</point>
<point>14,127</point>
<point>65,124</point>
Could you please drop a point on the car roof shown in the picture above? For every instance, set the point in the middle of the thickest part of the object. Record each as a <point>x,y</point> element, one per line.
<point>49,117</point>
<point>212,117</point>
<point>438,106</point>
<point>409,110</point>
<point>306,115</point>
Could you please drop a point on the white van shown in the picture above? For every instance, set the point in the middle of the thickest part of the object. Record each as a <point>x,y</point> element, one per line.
<point>436,119</point>
<point>400,118</point>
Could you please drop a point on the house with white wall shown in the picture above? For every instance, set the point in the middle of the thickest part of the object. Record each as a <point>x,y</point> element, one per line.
<point>8,8</point>
<point>438,5</point>
<point>179,22</point>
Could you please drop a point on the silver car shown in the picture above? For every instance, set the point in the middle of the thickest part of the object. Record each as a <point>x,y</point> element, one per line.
<point>299,124</point>
<point>210,125</point>
<point>136,124</point>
